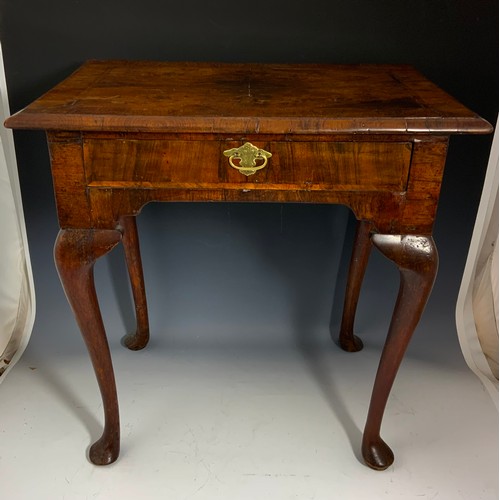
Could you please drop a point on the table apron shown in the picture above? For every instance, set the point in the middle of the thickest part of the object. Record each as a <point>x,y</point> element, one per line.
<point>394,184</point>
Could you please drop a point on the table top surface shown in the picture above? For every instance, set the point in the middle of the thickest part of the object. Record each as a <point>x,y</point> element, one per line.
<point>142,96</point>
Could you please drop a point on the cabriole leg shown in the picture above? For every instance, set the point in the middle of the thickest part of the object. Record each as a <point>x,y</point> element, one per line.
<point>76,251</point>
<point>417,260</point>
<point>357,267</point>
<point>130,239</point>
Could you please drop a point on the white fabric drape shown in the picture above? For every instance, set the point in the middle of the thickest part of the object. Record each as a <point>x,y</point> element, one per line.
<point>477,305</point>
<point>485,309</point>
<point>17,296</point>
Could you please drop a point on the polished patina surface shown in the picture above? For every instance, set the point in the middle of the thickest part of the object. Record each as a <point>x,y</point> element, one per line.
<point>374,138</point>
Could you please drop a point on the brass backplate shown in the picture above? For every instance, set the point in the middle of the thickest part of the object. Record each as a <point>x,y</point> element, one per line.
<point>249,158</point>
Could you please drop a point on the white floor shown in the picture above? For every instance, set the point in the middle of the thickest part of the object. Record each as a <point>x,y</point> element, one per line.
<point>244,423</point>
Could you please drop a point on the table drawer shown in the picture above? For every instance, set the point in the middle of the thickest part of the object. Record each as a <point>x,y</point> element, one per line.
<point>202,164</point>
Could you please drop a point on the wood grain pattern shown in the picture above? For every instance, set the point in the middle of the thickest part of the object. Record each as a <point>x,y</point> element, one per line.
<point>394,184</point>
<point>124,134</point>
<point>153,164</point>
<point>248,98</point>
<point>68,176</point>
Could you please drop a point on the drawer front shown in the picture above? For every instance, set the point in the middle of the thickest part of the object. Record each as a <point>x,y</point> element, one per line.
<point>360,166</point>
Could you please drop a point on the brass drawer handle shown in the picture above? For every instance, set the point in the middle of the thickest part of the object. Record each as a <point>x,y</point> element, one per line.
<point>248,155</point>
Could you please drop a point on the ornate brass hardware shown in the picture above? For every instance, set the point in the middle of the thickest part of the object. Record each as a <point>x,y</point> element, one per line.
<point>248,155</point>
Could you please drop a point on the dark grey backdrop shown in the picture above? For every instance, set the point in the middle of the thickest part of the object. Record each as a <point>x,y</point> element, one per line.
<point>219,273</point>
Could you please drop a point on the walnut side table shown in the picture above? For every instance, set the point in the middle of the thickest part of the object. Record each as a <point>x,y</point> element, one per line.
<point>372,137</point>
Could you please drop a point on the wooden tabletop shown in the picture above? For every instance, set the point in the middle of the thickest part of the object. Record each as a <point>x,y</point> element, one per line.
<point>228,98</point>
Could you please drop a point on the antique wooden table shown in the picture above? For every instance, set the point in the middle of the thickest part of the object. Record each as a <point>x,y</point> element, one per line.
<point>373,137</point>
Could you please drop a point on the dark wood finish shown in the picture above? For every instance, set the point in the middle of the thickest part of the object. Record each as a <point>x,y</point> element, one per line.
<point>324,166</point>
<point>75,252</point>
<point>417,260</point>
<point>123,134</point>
<point>249,99</point>
<point>394,202</point>
<point>357,267</point>
<point>130,239</point>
